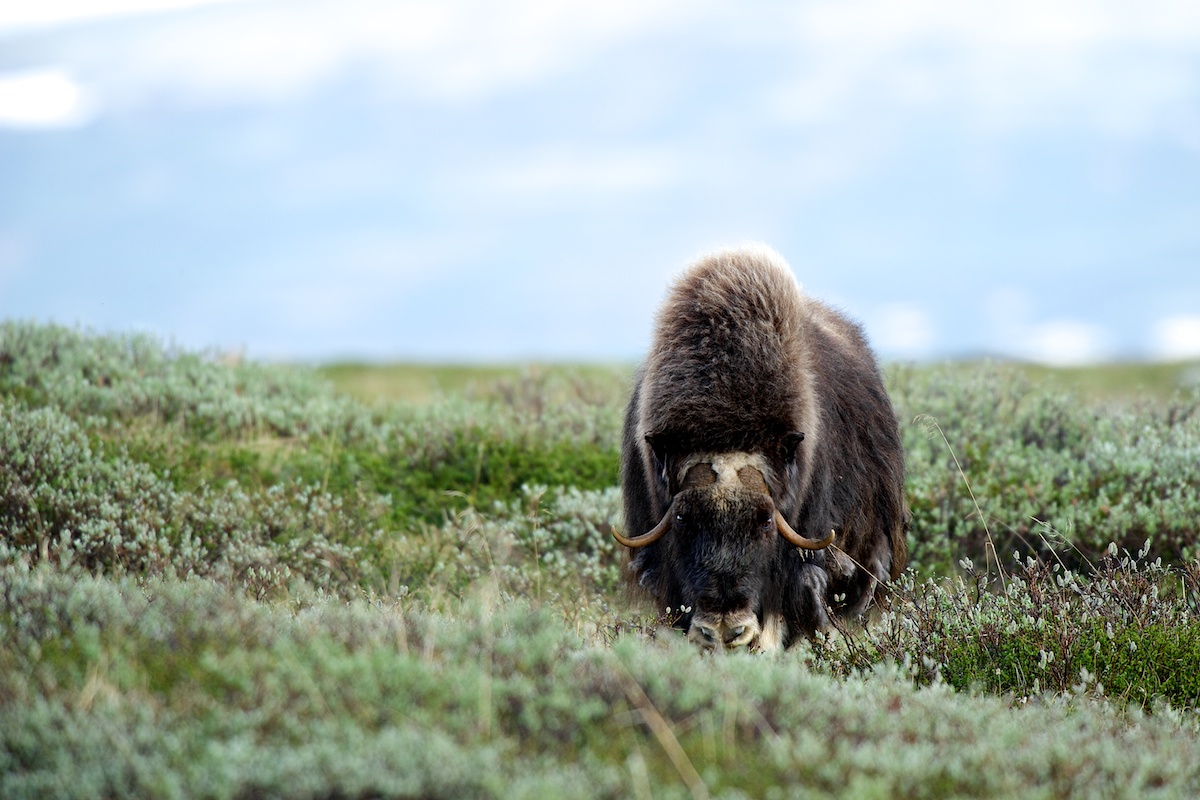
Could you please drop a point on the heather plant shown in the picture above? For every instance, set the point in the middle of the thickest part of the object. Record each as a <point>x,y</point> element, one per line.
<point>1036,459</point>
<point>196,420</point>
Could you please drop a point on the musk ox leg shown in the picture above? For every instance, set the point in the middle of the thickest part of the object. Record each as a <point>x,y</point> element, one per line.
<point>866,582</point>
<point>848,579</point>
<point>774,630</point>
<point>858,584</point>
<point>805,602</point>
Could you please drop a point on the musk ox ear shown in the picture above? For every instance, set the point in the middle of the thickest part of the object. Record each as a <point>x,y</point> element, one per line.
<point>791,441</point>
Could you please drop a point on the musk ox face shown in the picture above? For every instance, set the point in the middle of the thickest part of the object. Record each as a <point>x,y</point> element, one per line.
<point>720,539</point>
<point>721,544</point>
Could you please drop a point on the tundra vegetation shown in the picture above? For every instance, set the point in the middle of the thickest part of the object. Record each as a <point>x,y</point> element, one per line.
<point>222,579</point>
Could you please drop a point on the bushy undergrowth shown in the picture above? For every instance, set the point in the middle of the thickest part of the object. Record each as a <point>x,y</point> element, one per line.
<point>145,458</point>
<point>1048,470</point>
<point>180,689</point>
<point>258,587</point>
<point>123,377</point>
<point>1128,631</point>
<point>547,543</point>
<point>62,501</point>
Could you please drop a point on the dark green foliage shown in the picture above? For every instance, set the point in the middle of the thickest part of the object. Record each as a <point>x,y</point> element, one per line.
<point>475,465</point>
<point>1146,665</point>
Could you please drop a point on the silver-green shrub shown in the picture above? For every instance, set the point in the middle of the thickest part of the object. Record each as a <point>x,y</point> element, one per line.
<point>64,502</point>
<point>120,688</point>
<point>546,543</point>
<point>122,376</point>
<point>1048,470</point>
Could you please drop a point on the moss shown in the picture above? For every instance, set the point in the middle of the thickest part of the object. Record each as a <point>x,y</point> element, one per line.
<point>1146,665</point>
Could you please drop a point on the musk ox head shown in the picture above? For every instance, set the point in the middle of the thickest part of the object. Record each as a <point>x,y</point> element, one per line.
<point>721,534</point>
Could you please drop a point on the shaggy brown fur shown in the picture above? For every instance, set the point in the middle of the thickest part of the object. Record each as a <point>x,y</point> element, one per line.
<point>745,367</point>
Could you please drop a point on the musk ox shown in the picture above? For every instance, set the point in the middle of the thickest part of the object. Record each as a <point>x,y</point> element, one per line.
<point>761,464</point>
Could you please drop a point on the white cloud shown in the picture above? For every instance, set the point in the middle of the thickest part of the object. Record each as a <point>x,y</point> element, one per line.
<point>1124,69</point>
<point>1064,343</point>
<point>564,169</point>
<point>440,49</point>
<point>904,330</point>
<point>1120,66</point>
<point>1177,338</point>
<point>43,98</point>
<point>50,13</point>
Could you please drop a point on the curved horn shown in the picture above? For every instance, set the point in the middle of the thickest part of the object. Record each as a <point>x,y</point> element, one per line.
<point>652,535</point>
<point>786,532</point>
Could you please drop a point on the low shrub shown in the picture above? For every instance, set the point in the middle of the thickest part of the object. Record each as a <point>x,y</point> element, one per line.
<point>121,688</point>
<point>1129,630</point>
<point>195,420</point>
<point>225,580</point>
<point>994,459</point>
<point>65,501</point>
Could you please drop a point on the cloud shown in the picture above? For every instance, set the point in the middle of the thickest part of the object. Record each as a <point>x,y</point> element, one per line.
<point>797,123</point>
<point>43,98</point>
<point>51,13</point>
<point>1064,343</point>
<point>1176,338</point>
<point>555,170</point>
<point>1125,68</point>
<point>1121,69</point>
<point>903,330</point>
<point>1013,327</point>
<point>269,51</point>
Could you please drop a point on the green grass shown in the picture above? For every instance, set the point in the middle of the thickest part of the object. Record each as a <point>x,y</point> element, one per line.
<point>238,580</point>
<point>1128,382</point>
<point>423,383</point>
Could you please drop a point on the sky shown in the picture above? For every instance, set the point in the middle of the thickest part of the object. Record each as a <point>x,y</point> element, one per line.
<point>501,181</point>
